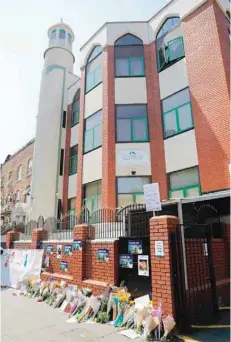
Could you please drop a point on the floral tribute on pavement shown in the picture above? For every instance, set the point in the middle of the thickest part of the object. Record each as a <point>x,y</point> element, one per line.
<point>115,306</point>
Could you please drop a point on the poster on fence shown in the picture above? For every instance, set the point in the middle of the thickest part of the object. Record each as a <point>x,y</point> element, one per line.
<point>63,266</point>
<point>143,265</point>
<point>68,250</point>
<point>103,254</point>
<point>49,249</point>
<point>135,246</point>
<point>59,251</point>
<point>19,264</point>
<point>126,261</point>
<point>77,245</point>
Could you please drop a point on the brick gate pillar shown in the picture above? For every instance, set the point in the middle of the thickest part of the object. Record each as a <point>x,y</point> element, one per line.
<point>10,237</point>
<point>162,275</point>
<point>38,236</point>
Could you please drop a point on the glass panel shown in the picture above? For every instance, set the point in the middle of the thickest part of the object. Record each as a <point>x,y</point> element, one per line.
<point>73,150</point>
<point>94,120</point>
<point>131,111</point>
<point>132,184</point>
<point>184,178</point>
<point>98,75</point>
<point>193,192</point>
<point>62,34</point>
<point>93,189</point>
<point>90,81</point>
<point>123,130</point>
<point>69,38</point>
<point>136,66</point>
<point>176,100</point>
<point>129,39</point>
<point>73,164</point>
<point>97,136</point>
<point>122,67</point>
<point>88,140</point>
<point>75,117</point>
<point>72,203</point>
<point>75,105</point>
<point>176,49</point>
<point>125,199</point>
<point>139,198</point>
<point>167,26</point>
<point>170,126</point>
<point>185,117</point>
<point>162,56</point>
<point>176,194</point>
<point>139,130</point>
<point>97,203</point>
<point>96,51</point>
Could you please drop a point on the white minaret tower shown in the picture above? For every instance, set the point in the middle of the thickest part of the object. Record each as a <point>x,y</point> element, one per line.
<point>50,134</point>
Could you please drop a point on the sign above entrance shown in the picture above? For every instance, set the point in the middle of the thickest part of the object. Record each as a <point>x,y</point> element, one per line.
<point>152,197</point>
<point>133,157</point>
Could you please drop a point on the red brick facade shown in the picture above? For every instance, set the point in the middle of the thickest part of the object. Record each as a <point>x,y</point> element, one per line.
<point>207,58</point>
<point>155,121</point>
<point>108,134</point>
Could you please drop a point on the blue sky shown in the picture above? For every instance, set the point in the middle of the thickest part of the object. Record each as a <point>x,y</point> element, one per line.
<point>23,40</point>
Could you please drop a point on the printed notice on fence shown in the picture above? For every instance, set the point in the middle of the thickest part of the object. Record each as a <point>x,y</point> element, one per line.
<point>159,248</point>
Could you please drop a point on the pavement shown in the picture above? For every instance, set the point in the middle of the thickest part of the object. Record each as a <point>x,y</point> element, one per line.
<point>25,320</point>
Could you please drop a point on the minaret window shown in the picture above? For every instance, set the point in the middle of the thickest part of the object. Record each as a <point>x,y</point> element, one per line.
<point>53,35</point>
<point>69,38</point>
<point>62,34</point>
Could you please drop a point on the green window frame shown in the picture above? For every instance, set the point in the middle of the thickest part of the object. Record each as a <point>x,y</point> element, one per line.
<point>90,203</point>
<point>73,164</point>
<point>178,128</point>
<point>92,132</point>
<point>132,129</point>
<point>75,118</point>
<point>167,55</point>
<point>130,59</point>
<point>96,81</point>
<point>185,191</point>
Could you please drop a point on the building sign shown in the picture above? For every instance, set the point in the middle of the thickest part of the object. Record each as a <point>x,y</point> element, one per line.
<point>159,248</point>
<point>135,246</point>
<point>103,254</point>
<point>77,245</point>
<point>133,157</point>
<point>152,197</point>
<point>126,261</point>
<point>143,265</point>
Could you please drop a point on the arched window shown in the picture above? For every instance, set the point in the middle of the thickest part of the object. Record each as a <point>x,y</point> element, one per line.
<point>62,34</point>
<point>94,68</point>
<point>53,34</point>
<point>129,56</point>
<point>75,109</point>
<point>169,48</point>
<point>167,26</point>
<point>19,173</point>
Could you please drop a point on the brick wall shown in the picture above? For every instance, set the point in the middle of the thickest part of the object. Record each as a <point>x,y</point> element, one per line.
<point>155,121</point>
<point>207,58</point>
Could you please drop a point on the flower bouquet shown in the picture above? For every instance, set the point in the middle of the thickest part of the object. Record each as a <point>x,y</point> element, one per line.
<point>169,324</point>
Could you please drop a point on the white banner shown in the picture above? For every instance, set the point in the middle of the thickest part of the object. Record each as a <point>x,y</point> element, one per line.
<point>17,264</point>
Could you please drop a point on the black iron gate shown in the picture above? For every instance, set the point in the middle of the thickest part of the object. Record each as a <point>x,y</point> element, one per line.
<point>194,289</point>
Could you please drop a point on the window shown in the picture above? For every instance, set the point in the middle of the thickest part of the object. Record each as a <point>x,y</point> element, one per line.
<point>17,195</point>
<point>30,162</point>
<point>64,119</point>
<point>75,109</point>
<point>92,196</point>
<point>2,182</point>
<point>53,34</point>
<point>170,52</point>
<point>73,163</point>
<point>167,26</point>
<point>131,123</point>
<point>10,179</point>
<point>69,38</point>
<point>61,162</point>
<point>93,132</point>
<point>62,34</point>
<point>130,190</point>
<point>177,113</point>
<point>19,173</point>
<point>129,57</point>
<point>94,68</point>
<point>184,183</point>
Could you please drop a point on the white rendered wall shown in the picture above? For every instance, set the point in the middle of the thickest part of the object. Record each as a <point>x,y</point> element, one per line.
<point>93,101</point>
<point>71,91</point>
<point>130,90</point>
<point>74,135</point>
<point>59,56</point>
<point>173,79</point>
<point>72,185</point>
<point>92,166</point>
<point>180,151</point>
<point>116,30</point>
<point>141,164</point>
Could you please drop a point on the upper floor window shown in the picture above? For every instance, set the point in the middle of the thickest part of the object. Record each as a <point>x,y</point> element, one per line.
<point>184,183</point>
<point>94,68</point>
<point>73,163</point>
<point>167,26</point>
<point>29,165</point>
<point>17,195</point>
<point>62,34</point>
<point>19,173</point>
<point>75,109</point>
<point>131,123</point>
<point>177,113</point>
<point>129,57</point>
<point>130,190</point>
<point>93,132</point>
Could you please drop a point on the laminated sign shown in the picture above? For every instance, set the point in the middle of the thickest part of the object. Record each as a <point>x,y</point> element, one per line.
<point>68,250</point>
<point>103,254</point>
<point>143,265</point>
<point>77,245</point>
<point>126,261</point>
<point>135,246</point>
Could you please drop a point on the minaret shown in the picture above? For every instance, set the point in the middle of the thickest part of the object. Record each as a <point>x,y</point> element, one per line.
<point>50,128</point>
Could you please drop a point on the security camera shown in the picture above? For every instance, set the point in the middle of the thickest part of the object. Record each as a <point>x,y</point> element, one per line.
<point>133,173</point>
